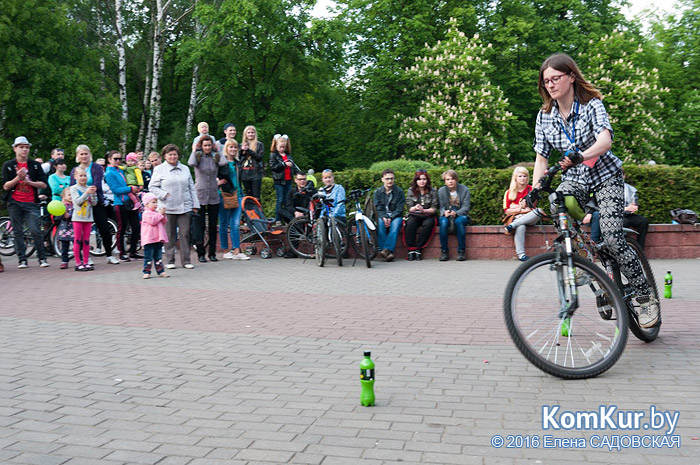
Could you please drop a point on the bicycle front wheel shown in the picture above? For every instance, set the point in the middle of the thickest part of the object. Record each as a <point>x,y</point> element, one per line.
<point>320,241</point>
<point>335,239</point>
<point>364,243</point>
<point>7,240</point>
<point>368,252</point>
<point>580,343</point>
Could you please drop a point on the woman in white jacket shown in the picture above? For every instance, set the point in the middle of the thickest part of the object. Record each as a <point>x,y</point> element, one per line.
<point>173,185</point>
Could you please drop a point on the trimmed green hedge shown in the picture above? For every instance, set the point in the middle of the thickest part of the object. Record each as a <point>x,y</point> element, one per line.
<point>660,189</point>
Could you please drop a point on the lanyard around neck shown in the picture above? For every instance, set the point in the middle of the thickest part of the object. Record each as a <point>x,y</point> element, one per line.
<point>572,137</point>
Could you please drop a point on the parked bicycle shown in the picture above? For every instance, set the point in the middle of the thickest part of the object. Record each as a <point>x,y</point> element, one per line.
<point>302,231</point>
<point>567,315</point>
<point>362,232</point>
<point>47,225</point>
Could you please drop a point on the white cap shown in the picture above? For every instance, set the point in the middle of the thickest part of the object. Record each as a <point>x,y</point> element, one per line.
<point>21,140</point>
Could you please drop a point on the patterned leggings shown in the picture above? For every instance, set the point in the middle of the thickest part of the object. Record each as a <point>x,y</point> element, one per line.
<point>610,197</point>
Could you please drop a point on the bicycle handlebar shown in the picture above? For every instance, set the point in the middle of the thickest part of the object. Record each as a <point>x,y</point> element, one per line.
<point>544,184</point>
<point>357,193</point>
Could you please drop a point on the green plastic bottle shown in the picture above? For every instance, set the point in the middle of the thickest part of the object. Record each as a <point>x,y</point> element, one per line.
<point>367,380</point>
<point>668,283</point>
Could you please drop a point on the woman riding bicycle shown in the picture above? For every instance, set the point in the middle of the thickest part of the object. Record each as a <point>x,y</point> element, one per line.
<point>573,121</point>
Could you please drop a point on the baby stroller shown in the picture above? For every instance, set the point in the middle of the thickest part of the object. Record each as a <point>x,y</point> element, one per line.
<point>260,230</point>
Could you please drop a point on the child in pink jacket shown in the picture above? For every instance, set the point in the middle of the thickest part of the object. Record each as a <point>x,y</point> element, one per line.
<point>153,236</point>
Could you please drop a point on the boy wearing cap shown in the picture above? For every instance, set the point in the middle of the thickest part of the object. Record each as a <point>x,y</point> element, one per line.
<point>229,134</point>
<point>22,179</point>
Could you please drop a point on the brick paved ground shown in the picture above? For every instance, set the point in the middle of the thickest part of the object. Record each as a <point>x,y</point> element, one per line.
<point>257,362</point>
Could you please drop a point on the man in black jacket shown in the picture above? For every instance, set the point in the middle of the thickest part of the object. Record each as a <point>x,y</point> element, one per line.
<point>299,196</point>
<point>22,179</point>
<point>389,201</point>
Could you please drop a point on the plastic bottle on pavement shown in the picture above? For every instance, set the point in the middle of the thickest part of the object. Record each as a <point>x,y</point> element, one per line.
<point>668,283</point>
<point>367,380</point>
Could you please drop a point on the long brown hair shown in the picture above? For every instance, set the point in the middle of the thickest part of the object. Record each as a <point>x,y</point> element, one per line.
<point>414,184</point>
<point>583,90</point>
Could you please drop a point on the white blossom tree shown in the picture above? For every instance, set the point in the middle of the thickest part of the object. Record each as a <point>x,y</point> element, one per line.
<point>462,117</point>
<point>632,96</point>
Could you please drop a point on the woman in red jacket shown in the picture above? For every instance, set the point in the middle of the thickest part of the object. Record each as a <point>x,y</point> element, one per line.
<point>514,205</point>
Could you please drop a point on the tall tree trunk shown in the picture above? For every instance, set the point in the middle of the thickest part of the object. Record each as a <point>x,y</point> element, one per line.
<point>193,90</point>
<point>144,111</point>
<point>122,75</point>
<point>192,106</point>
<point>103,66</point>
<point>154,112</point>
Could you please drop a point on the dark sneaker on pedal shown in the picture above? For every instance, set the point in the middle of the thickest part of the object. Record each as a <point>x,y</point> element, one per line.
<point>648,311</point>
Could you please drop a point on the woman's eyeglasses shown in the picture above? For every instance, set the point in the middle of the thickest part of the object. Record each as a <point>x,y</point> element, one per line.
<point>553,80</point>
<point>421,172</point>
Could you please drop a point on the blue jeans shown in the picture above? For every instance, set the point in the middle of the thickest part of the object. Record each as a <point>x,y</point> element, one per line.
<point>460,231</point>
<point>153,255</point>
<point>21,212</point>
<point>281,190</point>
<point>229,223</point>
<point>387,236</point>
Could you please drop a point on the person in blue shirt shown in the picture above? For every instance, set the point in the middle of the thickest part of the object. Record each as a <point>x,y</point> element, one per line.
<point>336,192</point>
<point>115,178</point>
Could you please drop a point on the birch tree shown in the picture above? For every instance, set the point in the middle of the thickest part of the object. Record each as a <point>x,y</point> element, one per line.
<point>121,56</point>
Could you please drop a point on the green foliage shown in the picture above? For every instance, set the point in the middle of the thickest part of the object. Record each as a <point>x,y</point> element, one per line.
<point>402,164</point>
<point>462,118</point>
<point>632,95</point>
<point>50,89</point>
<point>678,42</point>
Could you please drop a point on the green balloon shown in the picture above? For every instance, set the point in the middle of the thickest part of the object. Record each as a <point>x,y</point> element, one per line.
<point>56,208</point>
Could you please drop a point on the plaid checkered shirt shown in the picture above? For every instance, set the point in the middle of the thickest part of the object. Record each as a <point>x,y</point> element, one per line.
<point>592,120</point>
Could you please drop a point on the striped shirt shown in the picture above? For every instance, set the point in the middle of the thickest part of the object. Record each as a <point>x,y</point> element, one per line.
<point>592,120</point>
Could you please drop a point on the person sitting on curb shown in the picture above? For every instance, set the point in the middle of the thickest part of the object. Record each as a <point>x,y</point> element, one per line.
<point>514,206</point>
<point>299,196</point>
<point>454,201</point>
<point>389,201</point>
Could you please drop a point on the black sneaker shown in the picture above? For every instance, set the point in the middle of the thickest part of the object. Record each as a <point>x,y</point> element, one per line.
<point>419,256</point>
<point>202,259</point>
<point>460,256</point>
<point>411,255</point>
<point>444,256</point>
<point>23,264</point>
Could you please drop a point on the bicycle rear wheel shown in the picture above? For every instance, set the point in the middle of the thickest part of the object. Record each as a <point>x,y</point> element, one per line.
<point>628,291</point>
<point>300,237</point>
<point>320,241</point>
<point>335,239</point>
<point>575,345</point>
<point>97,248</point>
